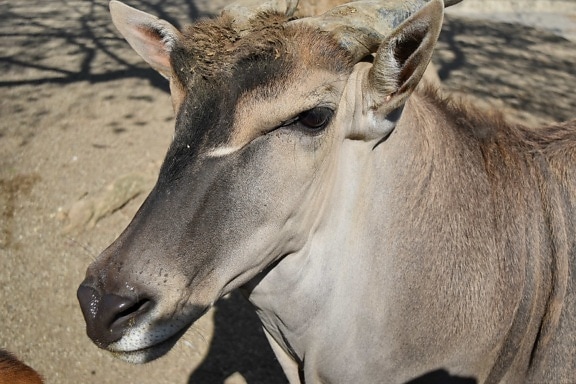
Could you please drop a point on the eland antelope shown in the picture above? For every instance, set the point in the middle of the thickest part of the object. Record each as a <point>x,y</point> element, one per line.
<point>382,232</point>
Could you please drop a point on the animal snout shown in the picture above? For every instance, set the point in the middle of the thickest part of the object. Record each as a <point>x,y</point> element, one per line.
<point>108,315</point>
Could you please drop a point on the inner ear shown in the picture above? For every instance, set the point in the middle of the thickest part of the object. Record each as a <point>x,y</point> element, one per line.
<point>403,57</point>
<point>152,38</point>
<point>404,52</point>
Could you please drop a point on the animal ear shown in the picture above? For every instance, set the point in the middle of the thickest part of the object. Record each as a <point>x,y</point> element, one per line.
<point>402,58</point>
<point>151,37</point>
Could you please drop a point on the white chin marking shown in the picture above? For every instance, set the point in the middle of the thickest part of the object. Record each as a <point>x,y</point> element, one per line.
<point>141,356</point>
<point>137,357</point>
<point>146,343</point>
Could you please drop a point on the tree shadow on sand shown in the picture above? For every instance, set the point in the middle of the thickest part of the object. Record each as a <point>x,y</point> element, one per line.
<point>44,45</point>
<point>511,65</point>
<point>523,67</point>
<point>526,68</point>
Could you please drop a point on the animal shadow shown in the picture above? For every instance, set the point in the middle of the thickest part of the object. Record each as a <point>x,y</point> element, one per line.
<point>441,377</point>
<point>238,345</point>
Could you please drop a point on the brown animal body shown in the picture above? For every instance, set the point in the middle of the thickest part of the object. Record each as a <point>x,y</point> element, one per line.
<point>382,232</point>
<point>517,201</point>
<point>13,371</point>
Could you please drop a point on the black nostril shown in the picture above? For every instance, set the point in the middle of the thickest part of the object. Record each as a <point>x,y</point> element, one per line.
<point>128,311</point>
<point>108,316</point>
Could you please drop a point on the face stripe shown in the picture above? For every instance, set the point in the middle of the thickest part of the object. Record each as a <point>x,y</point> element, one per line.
<point>222,151</point>
<point>263,82</point>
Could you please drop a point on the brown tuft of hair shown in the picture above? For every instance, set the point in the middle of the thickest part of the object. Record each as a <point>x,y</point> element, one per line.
<point>13,371</point>
<point>212,49</point>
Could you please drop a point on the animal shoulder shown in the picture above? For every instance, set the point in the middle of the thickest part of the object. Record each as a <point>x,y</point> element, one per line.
<point>491,125</point>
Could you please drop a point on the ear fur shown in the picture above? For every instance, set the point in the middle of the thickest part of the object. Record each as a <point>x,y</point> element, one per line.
<point>402,58</point>
<point>151,37</point>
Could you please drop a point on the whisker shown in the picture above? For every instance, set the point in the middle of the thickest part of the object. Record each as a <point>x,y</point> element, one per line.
<point>91,252</point>
<point>194,342</point>
<point>197,331</point>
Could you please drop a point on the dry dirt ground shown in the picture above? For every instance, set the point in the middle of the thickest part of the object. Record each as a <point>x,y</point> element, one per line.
<point>84,126</point>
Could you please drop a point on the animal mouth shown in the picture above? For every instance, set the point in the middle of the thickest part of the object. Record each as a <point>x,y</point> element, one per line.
<point>152,352</point>
<point>160,347</point>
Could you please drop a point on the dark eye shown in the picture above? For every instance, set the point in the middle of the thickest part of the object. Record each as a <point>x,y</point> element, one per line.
<point>316,118</point>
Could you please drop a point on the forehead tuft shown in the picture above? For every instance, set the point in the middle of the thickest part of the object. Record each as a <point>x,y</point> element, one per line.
<point>212,48</point>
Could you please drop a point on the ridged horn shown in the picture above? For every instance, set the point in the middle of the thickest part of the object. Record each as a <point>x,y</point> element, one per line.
<point>362,25</point>
<point>243,10</point>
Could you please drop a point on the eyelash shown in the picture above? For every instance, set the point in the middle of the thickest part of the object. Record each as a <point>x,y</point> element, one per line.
<point>313,120</point>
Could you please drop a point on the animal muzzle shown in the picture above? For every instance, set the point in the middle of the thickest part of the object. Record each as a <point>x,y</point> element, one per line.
<point>108,316</point>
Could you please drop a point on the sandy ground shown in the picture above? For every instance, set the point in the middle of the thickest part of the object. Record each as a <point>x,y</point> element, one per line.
<point>83,119</point>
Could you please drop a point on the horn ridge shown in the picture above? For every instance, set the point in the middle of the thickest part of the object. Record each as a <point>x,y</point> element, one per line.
<point>242,11</point>
<point>361,26</point>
